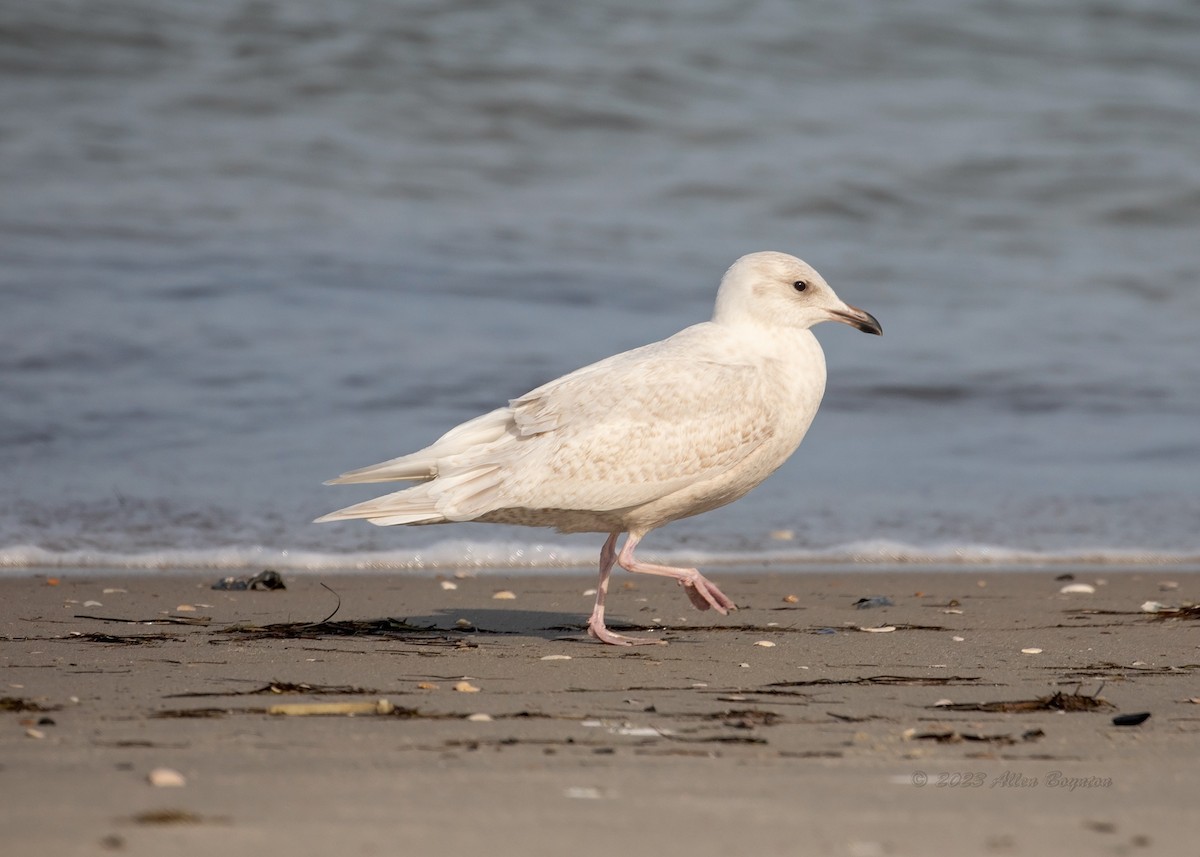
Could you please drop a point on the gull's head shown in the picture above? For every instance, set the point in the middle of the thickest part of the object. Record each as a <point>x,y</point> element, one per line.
<point>778,290</point>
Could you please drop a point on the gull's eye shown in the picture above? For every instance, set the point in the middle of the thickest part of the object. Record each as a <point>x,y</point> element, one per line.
<point>800,285</point>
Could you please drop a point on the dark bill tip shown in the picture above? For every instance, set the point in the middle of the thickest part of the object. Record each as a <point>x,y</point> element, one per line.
<point>859,318</point>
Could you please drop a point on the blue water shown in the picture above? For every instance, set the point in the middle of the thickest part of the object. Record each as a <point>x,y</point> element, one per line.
<point>245,246</point>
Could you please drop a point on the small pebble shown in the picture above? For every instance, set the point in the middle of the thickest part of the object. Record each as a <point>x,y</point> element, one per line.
<point>1131,719</point>
<point>427,685</point>
<point>34,733</point>
<point>464,623</point>
<point>480,717</point>
<point>92,604</point>
<point>504,595</point>
<point>1084,588</point>
<point>766,644</point>
<point>791,599</point>
<point>166,778</point>
<point>185,608</point>
<point>1031,651</point>
<point>958,639</point>
<point>941,703</point>
<point>588,593</point>
<point>111,591</point>
<point>556,657</point>
<point>1154,607</point>
<point>883,629</point>
<point>449,584</point>
<point>744,666</point>
<point>582,793</point>
<point>466,687</point>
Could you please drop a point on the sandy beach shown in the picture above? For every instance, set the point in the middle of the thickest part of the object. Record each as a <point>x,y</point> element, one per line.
<point>982,722</point>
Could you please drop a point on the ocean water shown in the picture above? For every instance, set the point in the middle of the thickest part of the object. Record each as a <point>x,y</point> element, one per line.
<point>245,246</point>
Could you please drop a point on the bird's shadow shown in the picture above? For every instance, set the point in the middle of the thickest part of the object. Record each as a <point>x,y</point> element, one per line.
<point>489,620</point>
<point>548,625</point>
<point>443,626</point>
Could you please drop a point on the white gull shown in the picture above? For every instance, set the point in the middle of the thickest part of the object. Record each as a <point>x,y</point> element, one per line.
<point>642,438</point>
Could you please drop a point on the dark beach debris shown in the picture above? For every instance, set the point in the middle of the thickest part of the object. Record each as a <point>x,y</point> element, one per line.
<point>1057,701</point>
<point>873,601</point>
<point>125,639</point>
<point>375,708</point>
<point>1151,611</point>
<point>1188,611</point>
<point>745,718</point>
<point>175,816</point>
<point>1131,719</point>
<point>387,628</point>
<point>157,620</point>
<point>280,687</point>
<point>200,713</point>
<point>716,739</point>
<point>266,580</point>
<point>810,754</point>
<point>1109,670</point>
<point>955,737</point>
<point>903,680</point>
<point>850,718</point>
<point>20,704</point>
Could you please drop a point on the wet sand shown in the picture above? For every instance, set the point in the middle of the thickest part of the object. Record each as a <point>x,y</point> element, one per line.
<point>832,741</point>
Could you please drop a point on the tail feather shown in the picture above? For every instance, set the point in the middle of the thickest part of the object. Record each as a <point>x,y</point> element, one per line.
<point>423,464</point>
<point>396,505</point>
<point>456,496</point>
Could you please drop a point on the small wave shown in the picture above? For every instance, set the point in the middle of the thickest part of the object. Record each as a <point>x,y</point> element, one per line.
<point>507,556</point>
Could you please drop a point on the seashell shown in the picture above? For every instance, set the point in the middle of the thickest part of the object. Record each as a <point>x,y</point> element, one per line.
<point>1085,588</point>
<point>166,778</point>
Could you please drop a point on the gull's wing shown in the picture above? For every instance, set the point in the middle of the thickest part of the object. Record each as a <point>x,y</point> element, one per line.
<point>626,431</point>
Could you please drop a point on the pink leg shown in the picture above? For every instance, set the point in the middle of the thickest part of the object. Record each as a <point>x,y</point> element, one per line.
<point>608,558</point>
<point>703,593</point>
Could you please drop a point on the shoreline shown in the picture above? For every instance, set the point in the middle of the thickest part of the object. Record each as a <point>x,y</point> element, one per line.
<point>712,742</point>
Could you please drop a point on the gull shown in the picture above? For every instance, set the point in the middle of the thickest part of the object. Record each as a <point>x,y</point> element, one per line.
<point>639,439</point>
